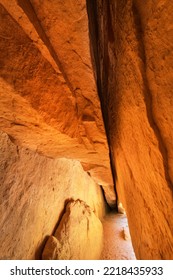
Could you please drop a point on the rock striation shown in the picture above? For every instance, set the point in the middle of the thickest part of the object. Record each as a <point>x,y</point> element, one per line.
<point>132,51</point>
<point>48,96</point>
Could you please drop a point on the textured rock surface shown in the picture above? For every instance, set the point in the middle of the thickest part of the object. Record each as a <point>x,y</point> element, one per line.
<point>33,193</point>
<point>79,235</point>
<point>48,96</point>
<point>133,52</point>
<point>49,104</point>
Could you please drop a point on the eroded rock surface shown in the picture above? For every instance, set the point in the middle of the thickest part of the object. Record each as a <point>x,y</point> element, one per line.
<point>48,96</point>
<point>133,52</point>
<point>79,235</point>
<point>49,104</point>
<point>33,192</point>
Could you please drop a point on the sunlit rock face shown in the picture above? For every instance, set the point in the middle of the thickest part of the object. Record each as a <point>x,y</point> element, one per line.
<point>48,96</point>
<point>79,235</point>
<point>132,50</point>
<point>33,193</point>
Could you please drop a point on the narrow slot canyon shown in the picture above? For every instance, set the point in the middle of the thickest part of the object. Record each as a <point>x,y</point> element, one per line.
<point>86,130</point>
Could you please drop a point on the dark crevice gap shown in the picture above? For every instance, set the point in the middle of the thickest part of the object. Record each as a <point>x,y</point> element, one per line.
<point>108,208</point>
<point>101,64</point>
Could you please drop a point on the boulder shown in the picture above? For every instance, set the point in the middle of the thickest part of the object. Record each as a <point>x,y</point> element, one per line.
<point>79,235</point>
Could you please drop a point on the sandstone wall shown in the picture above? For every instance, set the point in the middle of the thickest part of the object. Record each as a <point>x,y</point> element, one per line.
<point>48,96</point>
<point>49,104</point>
<point>132,49</point>
<point>33,193</point>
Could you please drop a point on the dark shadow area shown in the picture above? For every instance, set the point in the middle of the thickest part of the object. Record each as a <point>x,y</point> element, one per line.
<point>101,64</point>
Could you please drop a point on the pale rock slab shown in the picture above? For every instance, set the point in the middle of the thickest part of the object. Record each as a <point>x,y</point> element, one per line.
<point>79,235</point>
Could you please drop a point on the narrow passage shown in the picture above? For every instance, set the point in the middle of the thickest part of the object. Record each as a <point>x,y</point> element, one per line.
<point>117,241</point>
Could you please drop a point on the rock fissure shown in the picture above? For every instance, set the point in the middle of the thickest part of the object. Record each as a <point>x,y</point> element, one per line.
<point>101,84</point>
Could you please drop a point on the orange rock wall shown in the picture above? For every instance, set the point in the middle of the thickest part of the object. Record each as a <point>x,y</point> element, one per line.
<point>48,96</point>
<point>33,193</point>
<point>132,50</point>
<point>49,104</point>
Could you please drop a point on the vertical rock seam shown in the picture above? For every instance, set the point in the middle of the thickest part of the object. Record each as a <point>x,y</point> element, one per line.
<point>101,84</point>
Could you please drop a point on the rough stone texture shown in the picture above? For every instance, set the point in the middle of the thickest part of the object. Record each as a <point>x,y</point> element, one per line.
<point>33,193</point>
<point>48,100</point>
<point>48,97</point>
<point>79,235</point>
<point>50,249</point>
<point>132,49</point>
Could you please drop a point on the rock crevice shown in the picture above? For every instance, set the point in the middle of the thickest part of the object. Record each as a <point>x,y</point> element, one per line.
<point>125,46</point>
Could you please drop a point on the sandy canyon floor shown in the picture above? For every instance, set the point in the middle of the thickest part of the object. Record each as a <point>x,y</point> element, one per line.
<point>117,241</point>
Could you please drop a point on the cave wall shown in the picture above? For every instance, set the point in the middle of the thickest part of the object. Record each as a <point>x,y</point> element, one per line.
<point>48,95</point>
<point>131,45</point>
<point>34,191</point>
